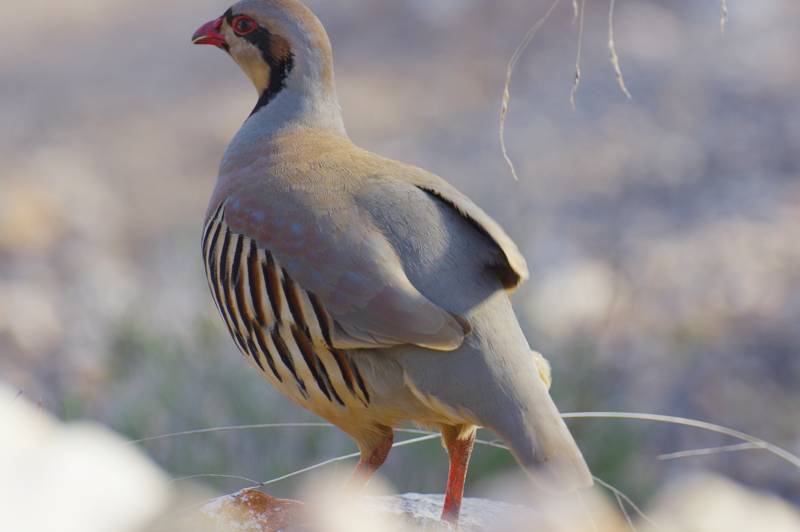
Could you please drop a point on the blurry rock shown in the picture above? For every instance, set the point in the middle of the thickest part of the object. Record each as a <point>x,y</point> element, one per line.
<point>422,511</point>
<point>579,293</point>
<point>29,218</point>
<point>28,315</point>
<point>83,478</point>
<point>535,509</point>
<point>334,505</point>
<point>335,511</point>
<point>707,503</point>
<point>75,477</point>
<point>253,510</point>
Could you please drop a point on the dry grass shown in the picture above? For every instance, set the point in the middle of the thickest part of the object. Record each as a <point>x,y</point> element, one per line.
<point>578,15</point>
<point>512,63</point>
<point>624,501</point>
<point>723,15</point>
<point>612,48</point>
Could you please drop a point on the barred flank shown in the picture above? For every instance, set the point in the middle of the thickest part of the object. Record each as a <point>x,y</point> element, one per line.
<point>274,321</point>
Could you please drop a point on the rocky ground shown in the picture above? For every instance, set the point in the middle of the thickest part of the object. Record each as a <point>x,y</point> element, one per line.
<point>83,477</point>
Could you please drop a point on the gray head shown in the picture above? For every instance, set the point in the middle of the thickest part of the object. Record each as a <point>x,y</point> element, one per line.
<point>280,44</point>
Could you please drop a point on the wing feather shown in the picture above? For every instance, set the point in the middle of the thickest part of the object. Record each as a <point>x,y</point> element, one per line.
<point>352,270</point>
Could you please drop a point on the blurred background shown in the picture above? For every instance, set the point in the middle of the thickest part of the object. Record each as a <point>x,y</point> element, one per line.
<point>663,232</point>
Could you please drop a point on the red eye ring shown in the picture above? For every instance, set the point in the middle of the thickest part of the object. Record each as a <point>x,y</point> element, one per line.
<point>243,25</point>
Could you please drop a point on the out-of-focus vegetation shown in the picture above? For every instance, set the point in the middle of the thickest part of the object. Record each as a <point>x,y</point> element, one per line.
<point>662,232</point>
<point>80,476</point>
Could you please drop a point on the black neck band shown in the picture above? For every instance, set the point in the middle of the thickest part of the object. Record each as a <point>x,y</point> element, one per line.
<point>280,65</point>
<point>279,71</point>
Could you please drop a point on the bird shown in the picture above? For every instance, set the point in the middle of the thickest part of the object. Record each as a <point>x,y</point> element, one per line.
<point>369,291</point>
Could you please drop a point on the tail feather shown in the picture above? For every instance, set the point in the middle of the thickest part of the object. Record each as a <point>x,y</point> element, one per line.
<point>541,441</point>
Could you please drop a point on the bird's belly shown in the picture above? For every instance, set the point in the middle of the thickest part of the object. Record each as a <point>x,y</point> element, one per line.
<point>280,328</point>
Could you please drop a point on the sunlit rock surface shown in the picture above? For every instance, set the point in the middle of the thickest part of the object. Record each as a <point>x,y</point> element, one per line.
<point>254,510</point>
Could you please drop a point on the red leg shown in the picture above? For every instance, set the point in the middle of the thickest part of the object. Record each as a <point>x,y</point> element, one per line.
<point>459,442</point>
<point>370,461</point>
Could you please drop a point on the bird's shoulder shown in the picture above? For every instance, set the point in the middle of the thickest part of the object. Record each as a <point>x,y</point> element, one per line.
<point>408,202</point>
<point>340,194</point>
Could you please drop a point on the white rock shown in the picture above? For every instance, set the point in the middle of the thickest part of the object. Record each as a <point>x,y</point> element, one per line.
<point>72,477</point>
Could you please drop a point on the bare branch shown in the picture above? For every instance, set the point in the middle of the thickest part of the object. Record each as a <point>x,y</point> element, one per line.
<point>710,450</point>
<point>577,82</point>
<point>723,15</point>
<point>612,48</point>
<point>214,475</point>
<point>510,71</point>
<point>620,495</point>
<point>622,507</point>
<point>704,425</point>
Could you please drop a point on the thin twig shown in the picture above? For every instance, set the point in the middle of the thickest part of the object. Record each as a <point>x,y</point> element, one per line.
<point>575,11</point>
<point>576,83</point>
<point>230,428</point>
<point>309,468</point>
<point>774,449</point>
<point>600,481</point>
<point>622,499</point>
<point>624,510</point>
<point>723,15</point>
<point>612,48</point>
<point>506,90</point>
<point>256,426</point>
<point>214,475</point>
<point>619,493</point>
<point>336,459</point>
<point>751,442</point>
<point>736,447</point>
<point>346,457</point>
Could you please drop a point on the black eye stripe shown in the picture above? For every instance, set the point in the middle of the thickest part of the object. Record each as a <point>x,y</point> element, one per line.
<point>280,67</point>
<point>260,39</point>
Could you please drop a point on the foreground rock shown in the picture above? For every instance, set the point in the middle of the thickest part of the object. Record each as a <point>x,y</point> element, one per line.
<point>57,477</point>
<point>252,510</point>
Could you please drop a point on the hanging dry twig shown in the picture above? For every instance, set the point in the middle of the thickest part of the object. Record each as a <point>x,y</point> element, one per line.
<point>510,71</point>
<point>723,15</point>
<point>612,48</point>
<point>576,83</point>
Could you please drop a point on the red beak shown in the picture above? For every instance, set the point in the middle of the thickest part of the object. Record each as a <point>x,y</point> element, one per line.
<point>209,33</point>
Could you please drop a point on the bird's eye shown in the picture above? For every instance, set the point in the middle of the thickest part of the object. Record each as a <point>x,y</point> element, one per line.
<point>243,25</point>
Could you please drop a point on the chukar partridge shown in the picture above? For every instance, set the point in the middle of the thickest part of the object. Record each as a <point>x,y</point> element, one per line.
<point>370,292</point>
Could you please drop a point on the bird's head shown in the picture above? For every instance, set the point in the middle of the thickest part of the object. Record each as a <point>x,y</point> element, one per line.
<point>279,44</point>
